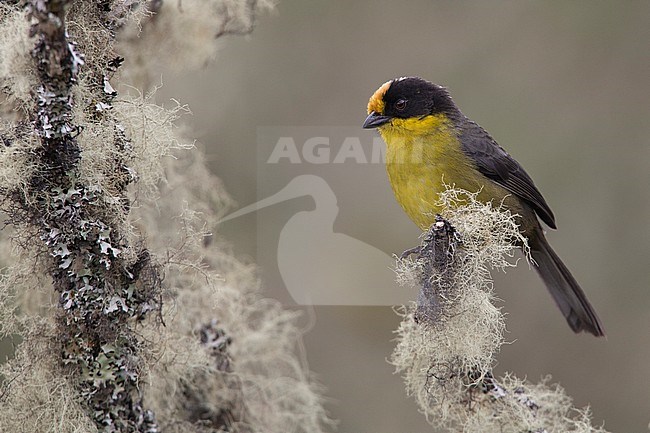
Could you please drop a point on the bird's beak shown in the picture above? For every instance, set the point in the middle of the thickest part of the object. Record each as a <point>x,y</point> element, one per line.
<point>375,120</point>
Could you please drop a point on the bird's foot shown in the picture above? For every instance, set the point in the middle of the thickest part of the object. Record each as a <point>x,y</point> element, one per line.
<point>415,250</point>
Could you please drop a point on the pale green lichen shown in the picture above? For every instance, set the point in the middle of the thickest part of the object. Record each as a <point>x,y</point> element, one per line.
<point>80,282</point>
<point>446,357</point>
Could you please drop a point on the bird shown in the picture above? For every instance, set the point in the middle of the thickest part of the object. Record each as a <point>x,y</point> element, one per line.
<point>430,143</point>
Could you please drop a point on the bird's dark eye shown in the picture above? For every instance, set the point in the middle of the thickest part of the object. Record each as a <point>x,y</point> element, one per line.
<point>400,105</point>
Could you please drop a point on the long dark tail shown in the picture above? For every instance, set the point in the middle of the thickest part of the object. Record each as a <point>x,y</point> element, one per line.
<point>564,288</point>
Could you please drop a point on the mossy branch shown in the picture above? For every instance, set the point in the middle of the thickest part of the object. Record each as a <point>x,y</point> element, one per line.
<point>86,181</point>
<point>448,341</point>
<point>102,292</point>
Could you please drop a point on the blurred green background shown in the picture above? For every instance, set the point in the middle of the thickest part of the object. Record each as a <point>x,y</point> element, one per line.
<point>563,86</point>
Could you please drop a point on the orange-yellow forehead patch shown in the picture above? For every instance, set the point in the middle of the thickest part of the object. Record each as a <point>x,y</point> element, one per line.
<point>376,102</point>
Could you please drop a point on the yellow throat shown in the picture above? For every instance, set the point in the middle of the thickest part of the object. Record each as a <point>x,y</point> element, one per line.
<point>423,155</point>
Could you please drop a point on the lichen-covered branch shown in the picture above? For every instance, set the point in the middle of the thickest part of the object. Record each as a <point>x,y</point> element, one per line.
<point>102,291</point>
<point>58,64</point>
<point>85,182</point>
<point>437,279</point>
<point>448,341</point>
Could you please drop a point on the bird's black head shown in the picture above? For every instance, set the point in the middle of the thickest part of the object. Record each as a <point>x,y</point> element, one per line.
<point>405,98</point>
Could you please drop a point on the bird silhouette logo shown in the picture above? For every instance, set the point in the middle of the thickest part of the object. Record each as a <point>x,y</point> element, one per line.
<point>321,267</point>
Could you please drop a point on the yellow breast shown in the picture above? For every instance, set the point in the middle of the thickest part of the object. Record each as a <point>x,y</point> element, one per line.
<point>424,155</point>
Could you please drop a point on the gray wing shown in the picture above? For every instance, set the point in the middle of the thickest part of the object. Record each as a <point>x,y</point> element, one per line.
<point>495,163</point>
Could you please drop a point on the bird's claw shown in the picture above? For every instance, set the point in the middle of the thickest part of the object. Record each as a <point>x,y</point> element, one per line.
<point>407,253</point>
